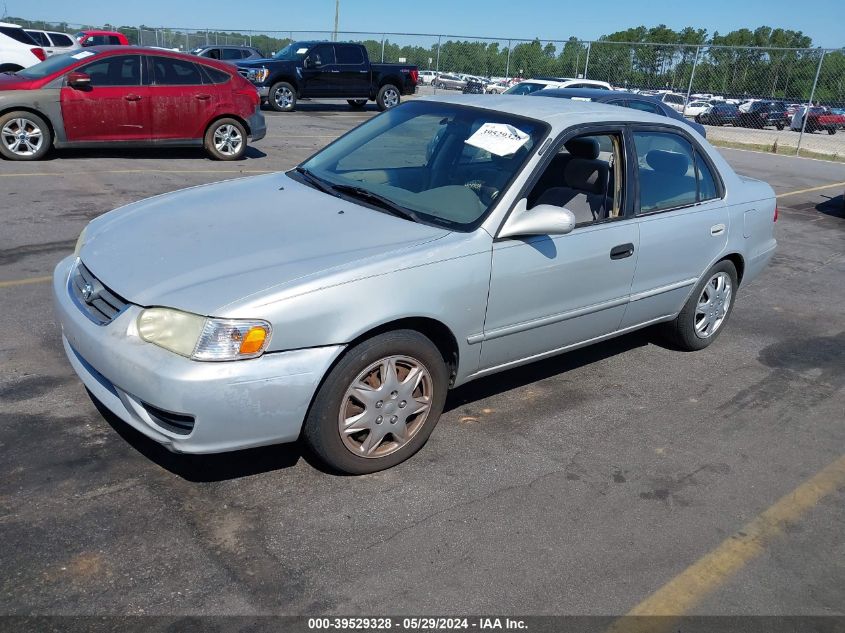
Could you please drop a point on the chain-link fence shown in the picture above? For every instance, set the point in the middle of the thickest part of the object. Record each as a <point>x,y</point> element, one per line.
<point>808,81</point>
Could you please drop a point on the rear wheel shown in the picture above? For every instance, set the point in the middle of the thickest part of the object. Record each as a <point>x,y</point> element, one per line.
<point>357,103</point>
<point>225,139</point>
<point>24,136</point>
<point>707,310</point>
<point>282,97</point>
<point>379,404</point>
<point>831,130</point>
<point>388,97</point>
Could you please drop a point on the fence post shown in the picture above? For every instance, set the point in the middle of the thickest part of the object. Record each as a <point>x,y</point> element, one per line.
<point>508,63</point>
<point>691,75</point>
<point>437,64</point>
<point>587,63</point>
<point>382,48</point>
<point>810,103</point>
<point>140,37</point>
<point>187,47</point>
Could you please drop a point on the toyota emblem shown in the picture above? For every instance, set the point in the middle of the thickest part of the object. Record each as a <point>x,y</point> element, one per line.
<point>87,292</point>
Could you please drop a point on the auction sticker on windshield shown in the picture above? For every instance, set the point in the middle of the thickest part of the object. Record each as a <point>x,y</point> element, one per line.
<point>500,139</point>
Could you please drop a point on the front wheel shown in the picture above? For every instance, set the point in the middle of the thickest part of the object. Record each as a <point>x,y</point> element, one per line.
<point>357,103</point>
<point>831,130</point>
<point>379,404</point>
<point>779,126</point>
<point>707,310</point>
<point>225,139</point>
<point>388,97</point>
<point>24,136</point>
<point>282,97</point>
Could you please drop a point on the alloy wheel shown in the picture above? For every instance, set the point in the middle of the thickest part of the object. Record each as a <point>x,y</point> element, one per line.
<point>391,98</point>
<point>283,97</point>
<point>22,136</point>
<point>228,139</point>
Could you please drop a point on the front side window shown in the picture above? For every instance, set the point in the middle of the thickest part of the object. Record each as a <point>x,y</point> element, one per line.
<point>322,55</point>
<point>168,71</point>
<point>666,171</point>
<point>445,163</point>
<point>585,176</point>
<point>231,53</point>
<point>116,70</point>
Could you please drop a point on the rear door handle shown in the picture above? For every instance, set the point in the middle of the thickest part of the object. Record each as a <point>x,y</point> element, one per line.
<point>622,251</point>
<point>203,97</point>
<point>132,97</point>
<point>717,229</point>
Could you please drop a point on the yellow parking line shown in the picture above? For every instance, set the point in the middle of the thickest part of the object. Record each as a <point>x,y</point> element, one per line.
<point>142,171</point>
<point>691,586</point>
<point>24,282</point>
<point>811,189</point>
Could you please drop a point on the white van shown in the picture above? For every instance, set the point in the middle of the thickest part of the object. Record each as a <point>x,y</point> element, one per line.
<point>17,49</point>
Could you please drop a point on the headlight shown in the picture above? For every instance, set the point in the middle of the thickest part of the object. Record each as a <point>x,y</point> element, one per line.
<point>202,338</point>
<point>257,75</point>
<point>80,242</point>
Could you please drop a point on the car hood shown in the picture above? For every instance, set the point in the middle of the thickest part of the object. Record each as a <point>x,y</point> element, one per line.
<point>203,248</point>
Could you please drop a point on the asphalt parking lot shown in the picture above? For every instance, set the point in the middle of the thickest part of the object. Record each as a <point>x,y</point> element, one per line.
<point>578,485</point>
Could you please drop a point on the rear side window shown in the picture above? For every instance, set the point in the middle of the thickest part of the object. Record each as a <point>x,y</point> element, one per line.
<point>213,53</point>
<point>118,70</point>
<point>40,38</point>
<point>175,72</point>
<point>60,39</point>
<point>213,75</point>
<point>231,53</point>
<point>18,35</point>
<point>114,39</point>
<point>645,106</point>
<point>349,55</point>
<point>666,171</point>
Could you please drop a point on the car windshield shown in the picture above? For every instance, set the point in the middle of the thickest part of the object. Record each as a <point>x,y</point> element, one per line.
<point>524,88</point>
<point>292,51</point>
<point>52,65</point>
<point>438,163</point>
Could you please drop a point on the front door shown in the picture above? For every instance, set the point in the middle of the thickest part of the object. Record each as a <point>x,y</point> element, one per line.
<point>115,107</point>
<point>550,293</point>
<point>683,223</point>
<point>321,77</point>
<point>182,104</point>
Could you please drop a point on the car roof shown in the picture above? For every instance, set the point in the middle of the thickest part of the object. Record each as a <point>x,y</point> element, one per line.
<point>165,52</point>
<point>99,32</point>
<point>560,112</point>
<point>592,93</point>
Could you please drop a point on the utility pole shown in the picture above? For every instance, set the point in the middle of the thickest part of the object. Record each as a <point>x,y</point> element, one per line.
<point>336,17</point>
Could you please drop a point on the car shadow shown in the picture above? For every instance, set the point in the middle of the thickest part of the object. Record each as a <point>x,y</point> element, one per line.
<point>324,107</point>
<point>834,206</point>
<point>147,153</point>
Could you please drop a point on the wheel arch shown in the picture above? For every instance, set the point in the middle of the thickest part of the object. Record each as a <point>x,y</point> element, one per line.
<point>218,117</point>
<point>739,263</point>
<point>287,79</point>
<point>36,112</point>
<point>390,79</point>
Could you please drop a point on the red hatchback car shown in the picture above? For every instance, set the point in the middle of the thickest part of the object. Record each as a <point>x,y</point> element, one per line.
<point>120,96</point>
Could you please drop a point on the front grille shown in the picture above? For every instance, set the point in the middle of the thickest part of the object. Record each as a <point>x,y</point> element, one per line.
<point>97,302</point>
<point>178,423</point>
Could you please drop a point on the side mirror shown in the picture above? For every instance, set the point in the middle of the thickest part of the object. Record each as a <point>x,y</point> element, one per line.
<point>79,80</point>
<point>306,63</point>
<point>543,219</point>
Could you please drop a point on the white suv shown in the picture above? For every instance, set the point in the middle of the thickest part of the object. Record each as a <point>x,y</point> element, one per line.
<point>54,43</point>
<point>17,49</point>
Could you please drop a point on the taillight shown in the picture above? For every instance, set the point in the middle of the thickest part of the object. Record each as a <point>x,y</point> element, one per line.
<point>39,53</point>
<point>415,75</point>
<point>776,214</point>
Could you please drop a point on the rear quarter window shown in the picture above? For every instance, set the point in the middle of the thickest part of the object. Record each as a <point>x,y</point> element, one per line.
<point>60,39</point>
<point>19,35</point>
<point>213,75</point>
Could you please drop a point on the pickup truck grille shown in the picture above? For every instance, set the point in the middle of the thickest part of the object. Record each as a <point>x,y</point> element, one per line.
<point>96,302</point>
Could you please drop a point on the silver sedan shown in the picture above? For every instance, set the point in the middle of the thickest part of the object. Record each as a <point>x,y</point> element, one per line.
<point>444,240</point>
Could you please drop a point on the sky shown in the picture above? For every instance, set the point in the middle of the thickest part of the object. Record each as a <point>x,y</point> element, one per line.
<point>546,19</point>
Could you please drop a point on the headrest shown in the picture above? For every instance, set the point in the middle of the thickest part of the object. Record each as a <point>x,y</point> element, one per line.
<point>583,147</point>
<point>589,176</point>
<point>669,163</point>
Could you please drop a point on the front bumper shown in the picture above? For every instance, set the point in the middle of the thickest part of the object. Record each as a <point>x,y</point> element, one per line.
<point>263,91</point>
<point>257,124</point>
<point>234,405</point>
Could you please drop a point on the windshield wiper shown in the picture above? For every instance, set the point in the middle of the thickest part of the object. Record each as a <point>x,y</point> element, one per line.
<point>314,181</point>
<point>381,201</point>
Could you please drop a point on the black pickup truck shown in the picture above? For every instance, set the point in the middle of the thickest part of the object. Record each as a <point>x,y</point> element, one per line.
<point>329,70</point>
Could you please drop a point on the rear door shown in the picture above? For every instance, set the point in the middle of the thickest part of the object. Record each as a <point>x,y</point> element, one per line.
<point>182,105</point>
<point>116,107</point>
<point>354,70</point>
<point>682,218</point>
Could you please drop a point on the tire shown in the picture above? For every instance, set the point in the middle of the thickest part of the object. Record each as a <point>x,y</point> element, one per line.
<point>225,139</point>
<point>831,130</point>
<point>441,85</point>
<point>682,331</point>
<point>357,103</point>
<point>388,96</point>
<point>282,97</point>
<point>334,404</point>
<point>779,126</point>
<point>37,138</point>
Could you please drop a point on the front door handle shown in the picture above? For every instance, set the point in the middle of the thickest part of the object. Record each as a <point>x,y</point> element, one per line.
<point>203,97</point>
<point>132,97</point>
<point>622,251</point>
